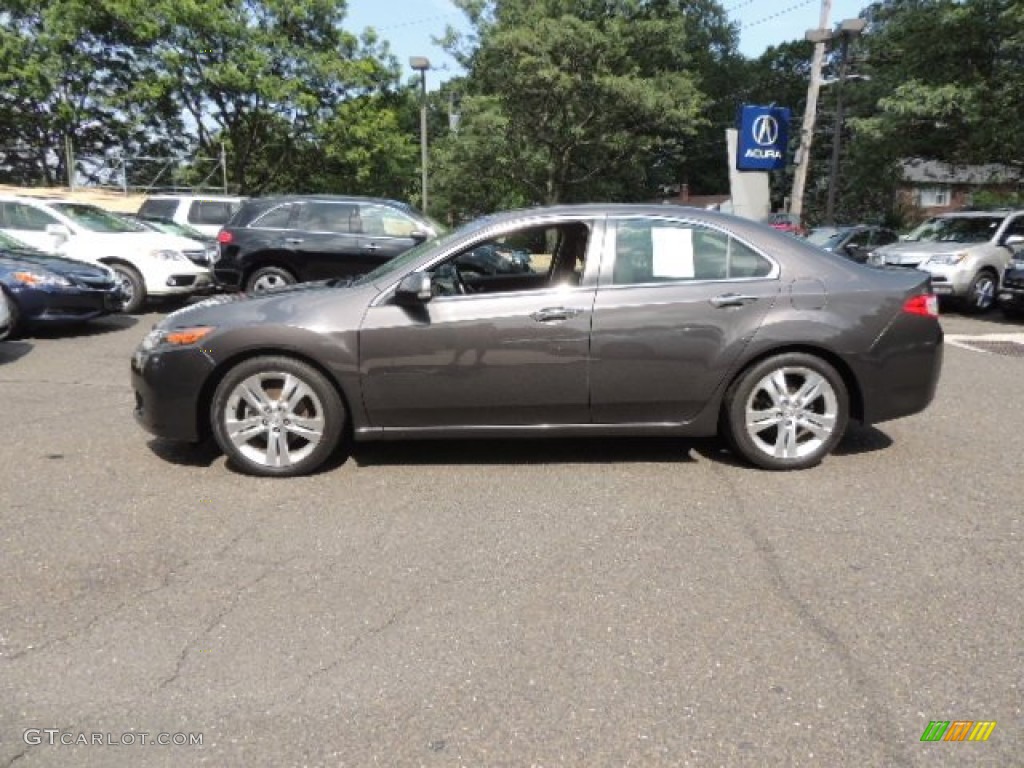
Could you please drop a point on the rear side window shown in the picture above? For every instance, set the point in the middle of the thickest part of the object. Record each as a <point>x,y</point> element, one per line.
<point>211,212</point>
<point>335,218</point>
<point>664,251</point>
<point>158,209</point>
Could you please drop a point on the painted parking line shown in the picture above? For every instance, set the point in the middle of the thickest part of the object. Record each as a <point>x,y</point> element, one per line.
<point>1005,344</point>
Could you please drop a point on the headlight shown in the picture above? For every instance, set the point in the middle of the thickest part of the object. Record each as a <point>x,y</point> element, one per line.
<point>948,259</point>
<point>179,337</point>
<point>40,278</point>
<point>168,255</point>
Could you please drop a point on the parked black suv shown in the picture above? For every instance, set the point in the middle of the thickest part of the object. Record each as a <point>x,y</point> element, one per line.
<point>276,241</point>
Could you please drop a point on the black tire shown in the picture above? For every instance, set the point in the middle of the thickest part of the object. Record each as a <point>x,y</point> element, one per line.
<point>263,279</point>
<point>1011,312</point>
<point>981,296</point>
<point>271,430</point>
<point>828,409</point>
<point>16,326</point>
<point>133,285</point>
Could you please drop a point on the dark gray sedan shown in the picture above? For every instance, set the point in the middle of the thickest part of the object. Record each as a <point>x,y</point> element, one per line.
<point>648,320</point>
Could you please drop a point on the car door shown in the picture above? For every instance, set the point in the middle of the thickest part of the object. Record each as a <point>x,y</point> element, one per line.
<point>385,232</point>
<point>678,301</point>
<point>323,241</point>
<point>505,357</point>
<point>28,224</point>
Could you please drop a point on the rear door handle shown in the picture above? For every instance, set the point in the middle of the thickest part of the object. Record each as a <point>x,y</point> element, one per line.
<point>372,247</point>
<point>555,314</point>
<point>732,300</point>
<point>293,240</point>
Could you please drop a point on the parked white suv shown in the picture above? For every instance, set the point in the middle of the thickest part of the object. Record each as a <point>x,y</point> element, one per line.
<point>148,263</point>
<point>207,213</point>
<point>965,252</point>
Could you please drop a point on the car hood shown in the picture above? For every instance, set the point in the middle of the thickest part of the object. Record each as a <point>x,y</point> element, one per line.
<point>61,265</point>
<point>282,305</point>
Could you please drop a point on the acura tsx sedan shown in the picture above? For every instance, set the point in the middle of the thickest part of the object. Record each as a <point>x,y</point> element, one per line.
<point>633,319</point>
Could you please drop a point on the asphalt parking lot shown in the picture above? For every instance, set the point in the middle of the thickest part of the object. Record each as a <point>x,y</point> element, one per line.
<point>585,603</point>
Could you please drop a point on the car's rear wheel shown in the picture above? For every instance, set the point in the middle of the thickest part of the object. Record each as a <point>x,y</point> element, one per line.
<point>133,287</point>
<point>277,417</point>
<point>265,279</point>
<point>786,412</point>
<point>981,296</point>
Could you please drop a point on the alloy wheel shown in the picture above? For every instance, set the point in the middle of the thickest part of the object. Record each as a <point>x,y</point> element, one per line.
<point>791,413</point>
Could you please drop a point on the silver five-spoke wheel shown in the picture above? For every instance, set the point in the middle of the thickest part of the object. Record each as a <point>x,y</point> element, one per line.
<point>277,416</point>
<point>791,413</point>
<point>787,412</point>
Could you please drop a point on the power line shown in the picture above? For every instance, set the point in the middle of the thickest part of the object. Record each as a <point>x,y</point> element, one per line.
<point>736,7</point>
<point>774,16</point>
<point>416,22</point>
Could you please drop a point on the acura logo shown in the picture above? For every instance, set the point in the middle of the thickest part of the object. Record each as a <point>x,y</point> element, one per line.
<point>765,130</point>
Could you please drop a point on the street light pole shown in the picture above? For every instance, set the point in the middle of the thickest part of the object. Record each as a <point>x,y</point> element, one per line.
<point>422,64</point>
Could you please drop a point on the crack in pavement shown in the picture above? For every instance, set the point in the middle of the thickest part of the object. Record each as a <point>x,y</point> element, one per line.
<point>878,714</point>
<point>165,582</point>
<point>186,652</point>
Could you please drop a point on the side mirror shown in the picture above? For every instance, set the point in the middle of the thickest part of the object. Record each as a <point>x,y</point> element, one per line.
<point>414,289</point>
<point>1014,240</point>
<point>419,235</point>
<point>58,231</point>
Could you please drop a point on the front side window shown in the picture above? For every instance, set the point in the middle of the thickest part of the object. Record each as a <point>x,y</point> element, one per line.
<point>382,221</point>
<point>654,251</point>
<point>529,259</point>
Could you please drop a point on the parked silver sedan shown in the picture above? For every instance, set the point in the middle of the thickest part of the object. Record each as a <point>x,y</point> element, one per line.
<point>651,320</point>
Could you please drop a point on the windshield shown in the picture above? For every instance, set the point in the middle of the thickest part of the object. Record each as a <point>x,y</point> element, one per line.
<point>13,244</point>
<point>952,229</point>
<point>96,219</point>
<point>826,237</point>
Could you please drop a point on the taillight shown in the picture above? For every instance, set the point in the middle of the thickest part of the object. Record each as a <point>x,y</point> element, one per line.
<point>927,304</point>
<point>224,237</point>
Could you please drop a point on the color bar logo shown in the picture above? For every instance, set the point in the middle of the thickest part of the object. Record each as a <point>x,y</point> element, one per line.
<point>958,730</point>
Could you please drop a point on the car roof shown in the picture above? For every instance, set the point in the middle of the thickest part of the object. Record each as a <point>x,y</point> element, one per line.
<point>212,197</point>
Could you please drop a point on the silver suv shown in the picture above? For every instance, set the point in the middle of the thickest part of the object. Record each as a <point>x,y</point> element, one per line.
<point>966,253</point>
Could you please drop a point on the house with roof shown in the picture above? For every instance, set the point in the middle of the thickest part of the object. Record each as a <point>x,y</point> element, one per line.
<point>932,186</point>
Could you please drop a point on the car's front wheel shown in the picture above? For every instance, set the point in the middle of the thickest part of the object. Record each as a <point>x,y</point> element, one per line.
<point>133,288</point>
<point>277,417</point>
<point>786,412</point>
<point>981,296</point>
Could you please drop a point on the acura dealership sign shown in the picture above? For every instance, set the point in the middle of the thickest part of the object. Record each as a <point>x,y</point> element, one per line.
<point>763,137</point>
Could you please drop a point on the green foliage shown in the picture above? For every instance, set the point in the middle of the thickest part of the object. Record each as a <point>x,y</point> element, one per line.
<point>567,98</point>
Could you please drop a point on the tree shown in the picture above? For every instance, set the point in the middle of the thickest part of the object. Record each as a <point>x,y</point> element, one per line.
<point>571,100</point>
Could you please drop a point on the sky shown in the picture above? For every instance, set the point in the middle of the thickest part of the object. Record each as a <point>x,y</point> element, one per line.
<point>409,25</point>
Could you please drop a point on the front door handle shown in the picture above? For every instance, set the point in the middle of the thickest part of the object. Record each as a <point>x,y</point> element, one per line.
<point>555,314</point>
<point>293,240</point>
<point>372,247</point>
<point>732,300</point>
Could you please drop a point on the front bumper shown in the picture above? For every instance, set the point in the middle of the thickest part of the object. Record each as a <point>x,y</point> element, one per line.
<point>168,383</point>
<point>1011,292</point>
<point>65,305</point>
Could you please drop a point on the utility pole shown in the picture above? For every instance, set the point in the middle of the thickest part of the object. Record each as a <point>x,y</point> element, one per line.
<point>847,30</point>
<point>819,37</point>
